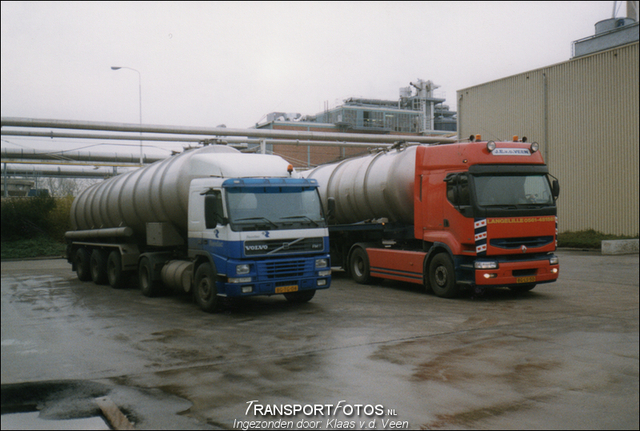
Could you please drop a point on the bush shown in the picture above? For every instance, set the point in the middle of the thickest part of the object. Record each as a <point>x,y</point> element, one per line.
<point>59,218</point>
<point>26,218</point>
<point>34,226</point>
<point>585,239</point>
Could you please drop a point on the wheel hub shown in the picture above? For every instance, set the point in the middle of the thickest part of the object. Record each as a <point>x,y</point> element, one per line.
<point>205,289</point>
<point>441,276</point>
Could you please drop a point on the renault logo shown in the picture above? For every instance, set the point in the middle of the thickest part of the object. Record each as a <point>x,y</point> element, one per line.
<point>524,249</point>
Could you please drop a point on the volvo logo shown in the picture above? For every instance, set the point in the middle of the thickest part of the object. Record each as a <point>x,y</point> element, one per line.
<point>256,247</point>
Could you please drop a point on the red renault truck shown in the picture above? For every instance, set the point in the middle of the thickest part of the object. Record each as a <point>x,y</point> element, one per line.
<point>470,215</point>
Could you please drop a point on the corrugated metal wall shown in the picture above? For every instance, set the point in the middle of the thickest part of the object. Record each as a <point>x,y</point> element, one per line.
<point>584,113</point>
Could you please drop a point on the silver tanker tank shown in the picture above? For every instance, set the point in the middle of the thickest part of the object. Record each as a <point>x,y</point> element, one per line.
<point>160,192</point>
<point>370,187</point>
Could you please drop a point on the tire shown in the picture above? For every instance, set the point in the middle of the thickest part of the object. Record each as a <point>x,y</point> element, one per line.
<point>359,266</point>
<point>115,275</point>
<point>442,276</point>
<point>300,297</point>
<point>98,265</point>
<point>205,291</point>
<point>81,261</point>
<point>148,285</point>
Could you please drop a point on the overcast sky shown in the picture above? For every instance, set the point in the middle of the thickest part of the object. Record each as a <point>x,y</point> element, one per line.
<point>213,63</point>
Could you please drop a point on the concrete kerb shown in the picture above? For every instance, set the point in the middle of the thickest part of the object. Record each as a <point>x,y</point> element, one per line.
<point>620,246</point>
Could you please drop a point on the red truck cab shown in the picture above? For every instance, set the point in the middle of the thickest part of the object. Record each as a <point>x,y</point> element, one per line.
<point>486,213</point>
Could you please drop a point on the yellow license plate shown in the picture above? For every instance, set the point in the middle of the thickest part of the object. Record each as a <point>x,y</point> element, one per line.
<point>286,289</point>
<point>531,279</point>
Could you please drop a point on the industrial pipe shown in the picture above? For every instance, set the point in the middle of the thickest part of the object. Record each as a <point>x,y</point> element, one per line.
<point>217,131</point>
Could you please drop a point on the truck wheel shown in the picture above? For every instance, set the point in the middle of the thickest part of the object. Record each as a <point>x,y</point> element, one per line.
<point>300,297</point>
<point>359,266</point>
<point>115,274</point>
<point>442,276</point>
<point>81,261</point>
<point>205,291</point>
<point>98,265</point>
<point>148,285</point>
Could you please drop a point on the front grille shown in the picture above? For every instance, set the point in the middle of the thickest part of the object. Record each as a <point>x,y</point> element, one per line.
<point>278,246</point>
<point>285,269</point>
<point>529,242</point>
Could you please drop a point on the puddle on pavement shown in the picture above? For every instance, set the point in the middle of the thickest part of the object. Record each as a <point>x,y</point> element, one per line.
<point>78,404</point>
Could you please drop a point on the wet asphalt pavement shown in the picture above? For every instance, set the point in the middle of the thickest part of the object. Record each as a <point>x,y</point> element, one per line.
<point>564,355</point>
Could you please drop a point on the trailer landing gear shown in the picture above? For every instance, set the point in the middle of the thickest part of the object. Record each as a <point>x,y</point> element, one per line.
<point>148,285</point>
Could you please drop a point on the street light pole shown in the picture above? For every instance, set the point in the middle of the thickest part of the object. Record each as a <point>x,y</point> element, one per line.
<point>139,98</point>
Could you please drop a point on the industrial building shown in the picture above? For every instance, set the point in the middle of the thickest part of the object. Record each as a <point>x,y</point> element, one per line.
<point>416,113</point>
<point>422,112</point>
<point>584,114</point>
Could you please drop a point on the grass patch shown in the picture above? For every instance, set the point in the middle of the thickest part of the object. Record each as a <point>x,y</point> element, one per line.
<point>586,239</point>
<point>33,247</point>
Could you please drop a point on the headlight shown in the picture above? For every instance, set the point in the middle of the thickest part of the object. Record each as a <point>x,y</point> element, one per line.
<point>325,273</point>
<point>534,147</point>
<point>322,263</point>
<point>242,269</point>
<point>491,264</point>
<point>491,146</point>
<point>553,260</point>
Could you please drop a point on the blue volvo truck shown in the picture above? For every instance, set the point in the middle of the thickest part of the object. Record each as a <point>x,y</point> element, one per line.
<point>212,222</point>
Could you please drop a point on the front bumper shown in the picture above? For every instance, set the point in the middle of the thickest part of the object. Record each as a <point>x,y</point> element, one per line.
<point>276,276</point>
<point>274,288</point>
<point>513,273</point>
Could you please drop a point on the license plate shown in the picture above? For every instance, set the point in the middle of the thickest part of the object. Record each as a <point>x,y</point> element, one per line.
<point>286,289</point>
<point>531,279</point>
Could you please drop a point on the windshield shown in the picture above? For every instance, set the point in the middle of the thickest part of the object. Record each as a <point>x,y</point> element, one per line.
<point>513,190</point>
<point>272,208</point>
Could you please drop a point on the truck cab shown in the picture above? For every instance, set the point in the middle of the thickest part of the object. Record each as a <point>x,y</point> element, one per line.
<point>257,236</point>
<point>489,209</point>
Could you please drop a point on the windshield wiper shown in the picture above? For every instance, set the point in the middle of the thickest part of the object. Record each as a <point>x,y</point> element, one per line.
<point>504,206</point>
<point>301,216</point>
<point>257,218</point>
<point>535,205</point>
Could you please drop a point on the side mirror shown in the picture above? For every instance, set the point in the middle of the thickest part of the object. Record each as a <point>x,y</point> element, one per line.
<point>331,208</point>
<point>555,189</point>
